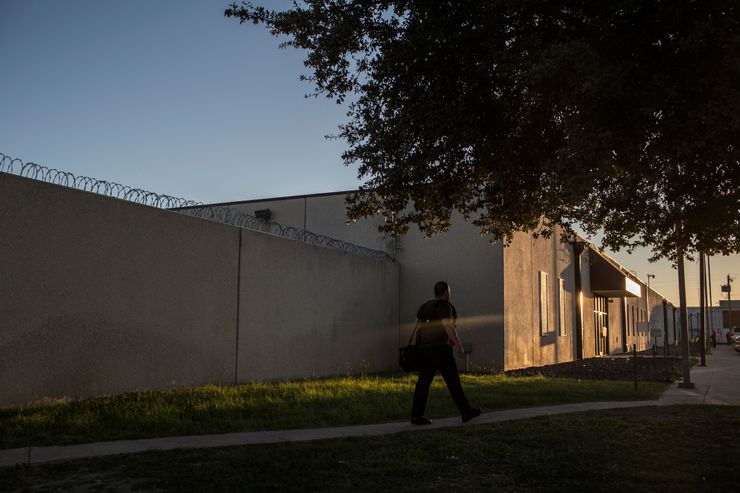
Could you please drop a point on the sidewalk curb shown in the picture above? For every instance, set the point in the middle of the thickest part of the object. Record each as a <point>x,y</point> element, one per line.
<point>42,455</point>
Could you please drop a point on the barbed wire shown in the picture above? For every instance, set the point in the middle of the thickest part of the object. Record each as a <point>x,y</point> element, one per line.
<point>240,219</point>
<point>65,178</point>
<point>217,213</point>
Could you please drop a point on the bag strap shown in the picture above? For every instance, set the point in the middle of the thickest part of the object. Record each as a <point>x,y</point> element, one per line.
<point>414,332</point>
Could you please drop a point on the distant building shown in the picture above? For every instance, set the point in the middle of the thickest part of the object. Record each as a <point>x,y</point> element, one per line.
<point>714,319</point>
<point>730,313</point>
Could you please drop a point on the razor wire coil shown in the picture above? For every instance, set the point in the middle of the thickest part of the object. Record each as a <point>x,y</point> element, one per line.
<point>217,213</point>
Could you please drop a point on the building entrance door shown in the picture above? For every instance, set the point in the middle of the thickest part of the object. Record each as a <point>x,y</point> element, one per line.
<point>601,325</point>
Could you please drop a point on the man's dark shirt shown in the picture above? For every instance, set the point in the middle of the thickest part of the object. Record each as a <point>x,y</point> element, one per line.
<point>431,331</point>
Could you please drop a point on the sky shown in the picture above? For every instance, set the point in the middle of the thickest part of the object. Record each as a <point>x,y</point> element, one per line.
<point>172,97</point>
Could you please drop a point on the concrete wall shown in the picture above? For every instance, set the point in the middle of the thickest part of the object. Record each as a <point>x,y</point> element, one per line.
<point>525,344</point>
<point>495,289</point>
<point>471,264</point>
<point>99,295</point>
<point>311,311</point>
<point>474,269</point>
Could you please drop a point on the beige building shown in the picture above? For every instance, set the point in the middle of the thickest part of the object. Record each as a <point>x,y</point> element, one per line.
<point>100,295</point>
<point>535,302</point>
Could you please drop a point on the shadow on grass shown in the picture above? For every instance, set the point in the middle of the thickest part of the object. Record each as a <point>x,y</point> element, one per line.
<point>677,449</point>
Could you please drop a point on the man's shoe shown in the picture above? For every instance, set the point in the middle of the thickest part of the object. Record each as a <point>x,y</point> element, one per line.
<point>421,420</point>
<point>473,413</point>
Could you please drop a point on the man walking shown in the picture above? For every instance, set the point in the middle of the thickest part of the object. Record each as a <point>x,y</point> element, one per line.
<point>436,337</point>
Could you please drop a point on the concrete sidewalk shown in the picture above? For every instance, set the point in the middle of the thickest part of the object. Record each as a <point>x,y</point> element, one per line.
<point>717,383</point>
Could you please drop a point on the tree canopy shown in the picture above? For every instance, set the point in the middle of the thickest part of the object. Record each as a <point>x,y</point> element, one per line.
<point>621,115</point>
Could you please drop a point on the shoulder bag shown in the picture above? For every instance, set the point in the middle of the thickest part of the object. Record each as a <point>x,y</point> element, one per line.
<point>409,356</point>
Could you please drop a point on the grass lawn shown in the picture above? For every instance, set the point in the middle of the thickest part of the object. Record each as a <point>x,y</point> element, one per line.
<point>291,404</point>
<point>677,449</point>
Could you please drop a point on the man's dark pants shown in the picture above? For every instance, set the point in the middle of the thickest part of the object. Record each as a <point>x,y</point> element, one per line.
<point>438,358</point>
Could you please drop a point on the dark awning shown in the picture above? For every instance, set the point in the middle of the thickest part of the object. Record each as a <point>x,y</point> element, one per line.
<point>609,280</point>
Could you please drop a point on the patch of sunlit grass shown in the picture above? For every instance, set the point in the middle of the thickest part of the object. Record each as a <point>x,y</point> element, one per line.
<point>342,400</point>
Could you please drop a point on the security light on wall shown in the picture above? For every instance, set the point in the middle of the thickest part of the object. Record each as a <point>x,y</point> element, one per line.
<point>263,214</point>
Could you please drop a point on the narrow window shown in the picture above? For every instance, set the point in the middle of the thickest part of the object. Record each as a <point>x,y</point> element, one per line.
<point>561,306</point>
<point>544,308</point>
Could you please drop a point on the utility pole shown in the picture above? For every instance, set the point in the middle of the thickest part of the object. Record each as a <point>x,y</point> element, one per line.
<point>729,300</point>
<point>647,309</point>
<point>702,307</point>
<point>727,288</point>
<point>686,384</point>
